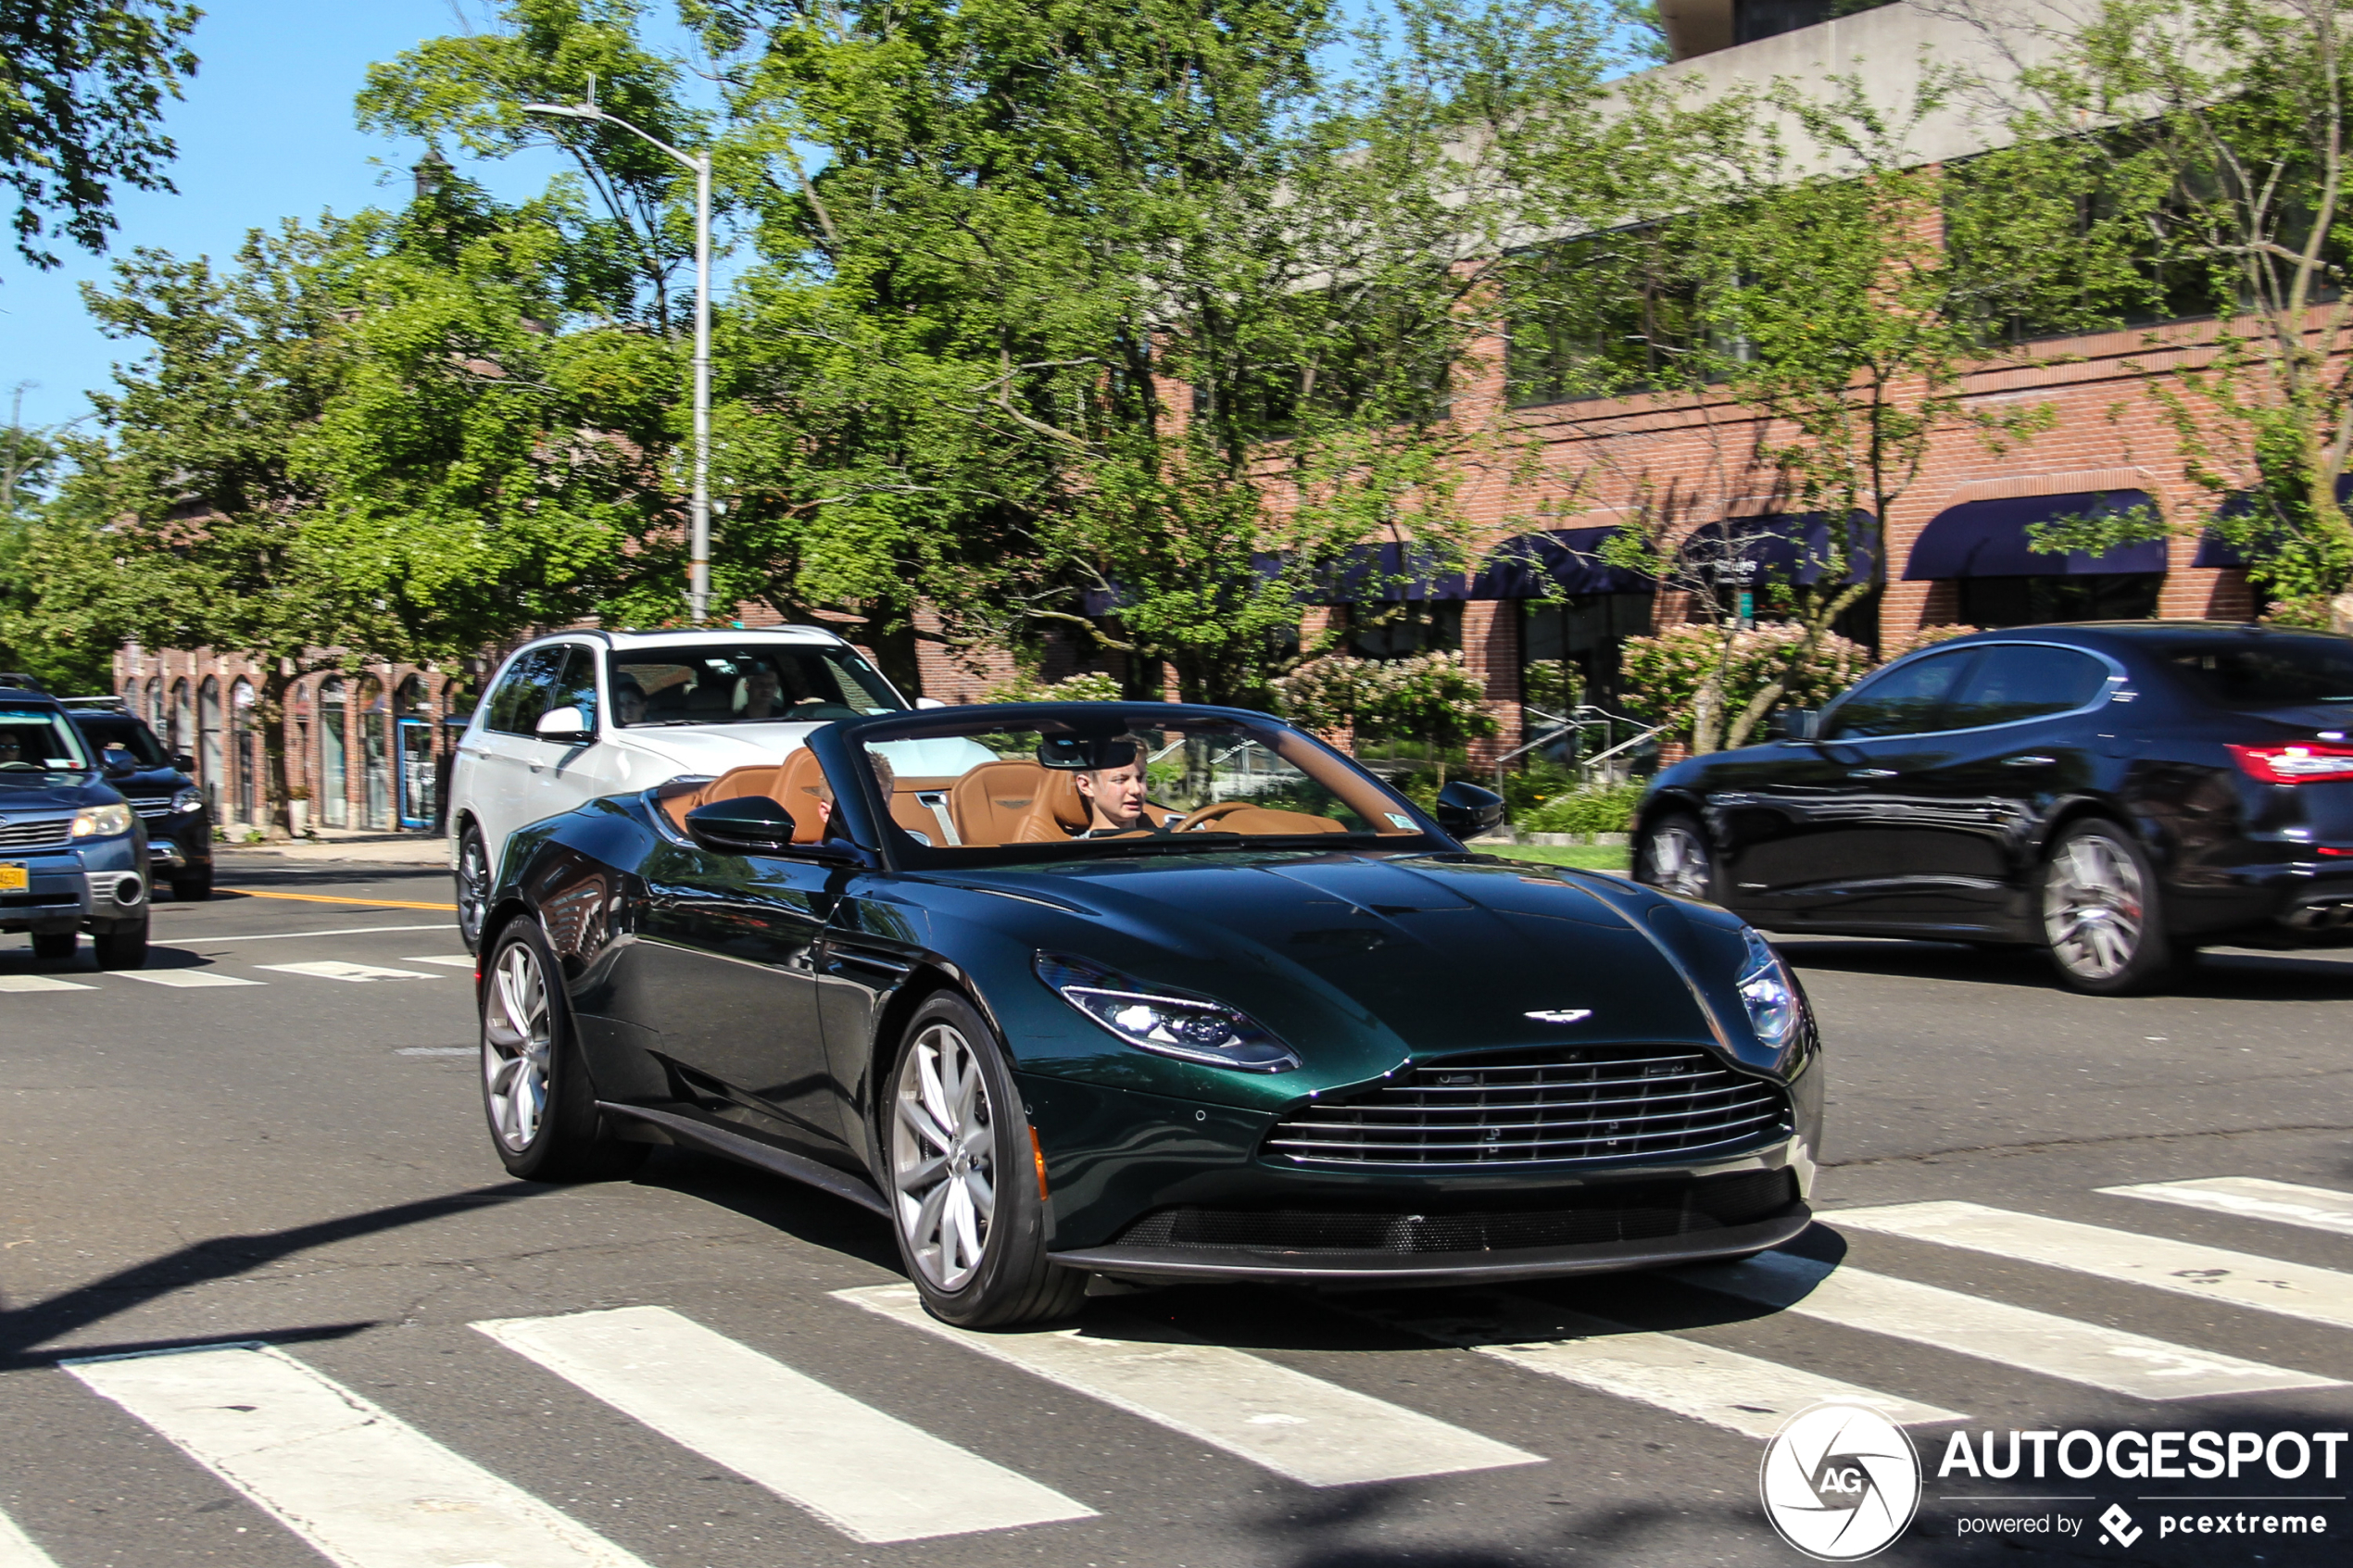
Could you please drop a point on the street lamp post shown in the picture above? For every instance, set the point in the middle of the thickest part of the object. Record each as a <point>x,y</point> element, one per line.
<point>698,535</point>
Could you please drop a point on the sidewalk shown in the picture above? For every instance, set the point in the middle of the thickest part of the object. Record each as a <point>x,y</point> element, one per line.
<point>342,845</point>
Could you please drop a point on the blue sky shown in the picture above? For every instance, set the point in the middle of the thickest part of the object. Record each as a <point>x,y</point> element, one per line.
<point>265,132</point>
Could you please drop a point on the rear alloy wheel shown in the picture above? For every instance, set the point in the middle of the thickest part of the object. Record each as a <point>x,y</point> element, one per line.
<point>1678,859</point>
<point>963,1186</point>
<point>473,887</point>
<point>123,947</point>
<point>2100,916</point>
<point>541,1106</point>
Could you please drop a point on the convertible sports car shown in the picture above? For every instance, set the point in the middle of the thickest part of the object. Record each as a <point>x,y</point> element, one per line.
<point>1134,994</point>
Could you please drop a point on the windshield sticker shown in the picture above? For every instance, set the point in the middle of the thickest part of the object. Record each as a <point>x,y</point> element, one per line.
<point>1398,819</point>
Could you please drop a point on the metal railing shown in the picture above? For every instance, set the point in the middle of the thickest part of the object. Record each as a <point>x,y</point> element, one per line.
<point>1581,724</point>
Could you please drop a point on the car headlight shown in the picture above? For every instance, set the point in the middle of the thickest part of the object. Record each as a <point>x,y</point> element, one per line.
<point>102,821</point>
<point>1188,1028</point>
<point>1771,996</point>
<point>188,798</point>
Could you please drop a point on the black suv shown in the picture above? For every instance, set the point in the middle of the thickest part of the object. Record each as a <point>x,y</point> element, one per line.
<point>2118,793</point>
<point>160,787</point>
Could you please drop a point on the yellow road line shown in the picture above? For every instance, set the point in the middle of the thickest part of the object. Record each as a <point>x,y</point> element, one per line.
<point>323,898</point>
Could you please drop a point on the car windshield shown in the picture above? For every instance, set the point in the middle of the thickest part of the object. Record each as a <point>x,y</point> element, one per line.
<point>1110,780</point>
<point>33,742</point>
<point>129,733</point>
<point>702,684</point>
<point>2275,672</point>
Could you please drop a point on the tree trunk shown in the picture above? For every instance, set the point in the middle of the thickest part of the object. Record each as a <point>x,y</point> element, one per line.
<point>272,710</point>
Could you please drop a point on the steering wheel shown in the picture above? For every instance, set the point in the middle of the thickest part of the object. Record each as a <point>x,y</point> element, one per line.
<point>1210,813</point>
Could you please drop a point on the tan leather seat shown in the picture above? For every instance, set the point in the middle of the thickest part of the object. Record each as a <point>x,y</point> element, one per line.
<point>791,783</point>
<point>797,791</point>
<point>1059,812</point>
<point>989,803</point>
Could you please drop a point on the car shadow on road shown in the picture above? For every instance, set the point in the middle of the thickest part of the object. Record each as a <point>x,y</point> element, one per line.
<point>803,1213</point>
<point>2221,974</point>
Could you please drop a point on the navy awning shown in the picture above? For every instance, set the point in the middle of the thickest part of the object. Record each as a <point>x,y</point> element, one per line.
<point>1988,539</point>
<point>1389,574</point>
<point>2213,551</point>
<point>1777,547</point>
<point>1558,564</point>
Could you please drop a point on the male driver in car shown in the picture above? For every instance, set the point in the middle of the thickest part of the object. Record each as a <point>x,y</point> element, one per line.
<point>1115,796</point>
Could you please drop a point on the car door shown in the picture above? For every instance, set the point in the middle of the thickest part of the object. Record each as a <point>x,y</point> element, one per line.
<point>2012,750</point>
<point>499,756</point>
<point>726,965</point>
<point>1859,855</point>
<point>562,774</point>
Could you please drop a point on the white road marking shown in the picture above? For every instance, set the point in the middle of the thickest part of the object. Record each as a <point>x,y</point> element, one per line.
<point>17,1549</point>
<point>366,1489</point>
<point>187,979</point>
<point>868,1474</point>
<point>360,973</point>
<point>2319,1208</point>
<point>2188,1268</point>
<point>2018,1337</point>
<point>1314,1432</point>
<point>455,961</point>
<point>39,983</point>
<point>342,930</point>
<point>438,1050</point>
<point>1725,1389</point>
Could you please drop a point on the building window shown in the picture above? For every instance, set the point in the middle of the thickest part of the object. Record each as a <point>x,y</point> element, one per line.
<point>1570,651</point>
<point>1401,630</point>
<point>2036,601</point>
<point>1604,315</point>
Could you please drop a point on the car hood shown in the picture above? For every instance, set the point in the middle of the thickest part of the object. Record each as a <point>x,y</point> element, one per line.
<point>714,749</point>
<point>50,792</point>
<point>1409,956</point>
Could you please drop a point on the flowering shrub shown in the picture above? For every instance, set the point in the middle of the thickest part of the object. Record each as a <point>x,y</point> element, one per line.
<point>1026,687</point>
<point>1665,673</point>
<point>1607,810</point>
<point>1431,696</point>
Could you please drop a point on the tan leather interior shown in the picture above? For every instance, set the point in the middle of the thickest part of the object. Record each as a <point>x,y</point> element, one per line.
<point>791,783</point>
<point>990,802</point>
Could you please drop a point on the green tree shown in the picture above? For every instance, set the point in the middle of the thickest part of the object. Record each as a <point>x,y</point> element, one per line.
<point>82,89</point>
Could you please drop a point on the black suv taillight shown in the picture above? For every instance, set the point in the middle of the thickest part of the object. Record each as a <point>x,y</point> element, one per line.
<point>2295,762</point>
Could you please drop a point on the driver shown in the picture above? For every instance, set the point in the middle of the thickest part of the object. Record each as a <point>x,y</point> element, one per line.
<point>11,748</point>
<point>1115,797</point>
<point>762,689</point>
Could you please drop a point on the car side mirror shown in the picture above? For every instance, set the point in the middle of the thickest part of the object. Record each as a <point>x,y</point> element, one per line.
<point>928,703</point>
<point>749,824</point>
<point>1797,723</point>
<point>184,763</point>
<point>1465,811</point>
<point>118,762</point>
<point>566,724</point>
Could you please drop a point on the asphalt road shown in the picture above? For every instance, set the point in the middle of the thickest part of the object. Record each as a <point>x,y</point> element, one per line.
<point>299,1162</point>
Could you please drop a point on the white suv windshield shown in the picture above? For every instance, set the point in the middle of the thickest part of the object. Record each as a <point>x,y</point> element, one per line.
<point>715,684</point>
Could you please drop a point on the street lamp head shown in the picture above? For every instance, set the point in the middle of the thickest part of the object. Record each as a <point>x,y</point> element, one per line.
<point>570,111</point>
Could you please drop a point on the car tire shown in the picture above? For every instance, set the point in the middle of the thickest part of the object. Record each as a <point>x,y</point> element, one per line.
<point>960,1173</point>
<point>536,1093</point>
<point>55,946</point>
<point>1677,857</point>
<point>123,947</point>
<point>473,886</point>
<point>2103,923</point>
<point>192,889</point>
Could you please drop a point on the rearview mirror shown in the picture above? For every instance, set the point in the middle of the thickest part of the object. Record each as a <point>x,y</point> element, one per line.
<point>565,724</point>
<point>749,824</point>
<point>1465,811</point>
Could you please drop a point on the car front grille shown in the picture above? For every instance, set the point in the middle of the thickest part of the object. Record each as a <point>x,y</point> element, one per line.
<point>42,832</point>
<point>1590,1217</point>
<point>152,807</point>
<point>1560,1107</point>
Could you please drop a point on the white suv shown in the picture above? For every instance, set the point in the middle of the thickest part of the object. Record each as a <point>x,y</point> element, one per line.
<point>583,714</point>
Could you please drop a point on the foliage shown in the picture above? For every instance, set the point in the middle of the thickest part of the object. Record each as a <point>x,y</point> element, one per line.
<point>29,462</point>
<point>1667,675</point>
<point>2216,186</point>
<point>1895,648</point>
<point>1429,697</point>
<point>1609,809</point>
<point>1024,686</point>
<point>81,90</point>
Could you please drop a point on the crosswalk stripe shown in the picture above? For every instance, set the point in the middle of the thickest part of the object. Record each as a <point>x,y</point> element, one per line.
<point>1725,1389</point>
<point>188,979</point>
<point>336,968</point>
<point>366,1489</point>
<point>17,1549</point>
<point>2319,1208</point>
<point>1993,1331</point>
<point>2186,1268</point>
<point>455,961</point>
<point>868,1474</point>
<point>1316,1432</point>
<point>39,983</point>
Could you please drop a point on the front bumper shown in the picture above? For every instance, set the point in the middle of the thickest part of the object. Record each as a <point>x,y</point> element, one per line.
<point>95,888</point>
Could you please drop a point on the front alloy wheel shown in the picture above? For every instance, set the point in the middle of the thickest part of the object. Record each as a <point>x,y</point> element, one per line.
<point>943,1157</point>
<point>1680,861</point>
<point>2099,913</point>
<point>535,1095</point>
<point>473,887</point>
<point>518,1038</point>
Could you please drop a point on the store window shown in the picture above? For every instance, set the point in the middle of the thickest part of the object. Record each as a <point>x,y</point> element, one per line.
<point>1570,650</point>
<point>1994,602</point>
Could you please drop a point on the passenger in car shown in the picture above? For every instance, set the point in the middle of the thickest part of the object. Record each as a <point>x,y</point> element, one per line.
<point>886,779</point>
<point>628,701</point>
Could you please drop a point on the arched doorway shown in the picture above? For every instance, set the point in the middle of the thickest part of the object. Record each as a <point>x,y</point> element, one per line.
<point>374,723</point>
<point>211,758</point>
<point>333,774</point>
<point>412,723</point>
<point>244,745</point>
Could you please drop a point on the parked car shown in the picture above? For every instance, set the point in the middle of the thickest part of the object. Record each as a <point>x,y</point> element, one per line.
<point>160,786</point>
<point>1154,993</point>
<point>585,714</point>
<point>2118,793</point>
<point>73,854</point>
